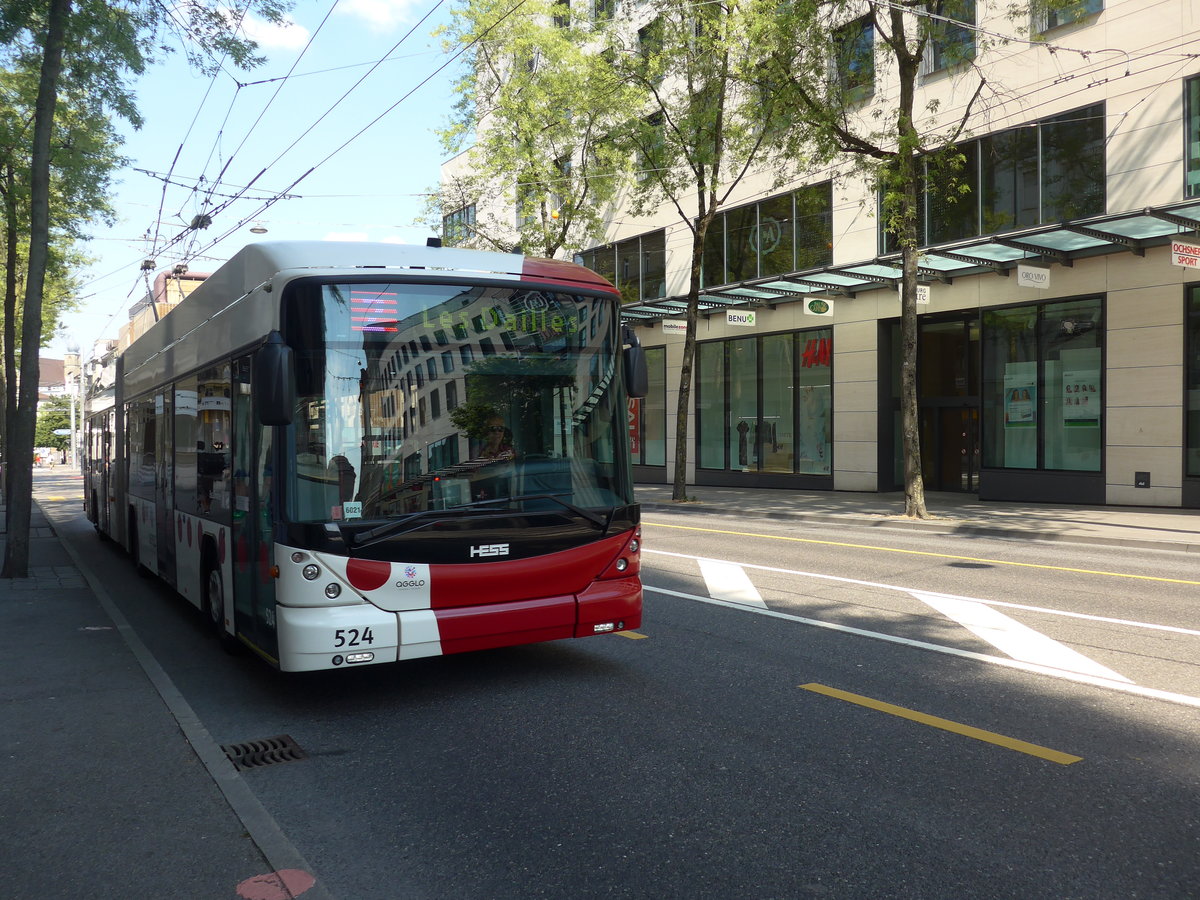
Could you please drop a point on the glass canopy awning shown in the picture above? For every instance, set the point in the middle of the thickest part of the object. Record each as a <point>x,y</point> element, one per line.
<point>997,254</point>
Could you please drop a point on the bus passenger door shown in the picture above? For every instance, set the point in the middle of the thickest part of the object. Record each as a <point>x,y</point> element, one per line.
<point>253,527</point>
<point>164,497</point>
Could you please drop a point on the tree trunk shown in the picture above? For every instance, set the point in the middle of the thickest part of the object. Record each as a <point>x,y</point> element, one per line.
<point>907,162</point>
<point>21,428</point>
<point>8,405</point>
<point>679,489</point>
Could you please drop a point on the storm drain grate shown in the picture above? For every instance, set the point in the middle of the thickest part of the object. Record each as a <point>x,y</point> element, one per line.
<point>264,752</point>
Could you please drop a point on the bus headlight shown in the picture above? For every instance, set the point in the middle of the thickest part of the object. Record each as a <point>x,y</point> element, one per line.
<point>622,564</point>
<point>311,571</point>
<point>333,590</point>
<point>299,556</point>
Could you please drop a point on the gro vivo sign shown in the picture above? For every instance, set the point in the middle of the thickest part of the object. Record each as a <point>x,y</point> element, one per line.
<point>1186,255</point>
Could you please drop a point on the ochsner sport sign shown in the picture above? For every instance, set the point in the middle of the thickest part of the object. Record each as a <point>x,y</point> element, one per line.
<point>1186,255</point>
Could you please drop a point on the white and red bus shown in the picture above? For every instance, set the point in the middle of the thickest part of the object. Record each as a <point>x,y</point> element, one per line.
<point>348,454</point>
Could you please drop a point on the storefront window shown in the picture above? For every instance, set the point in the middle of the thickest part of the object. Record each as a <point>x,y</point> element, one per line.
<point>778,412</point>
<point>815,445</point>
<point>710,405</point>
<point>648,416</point>
<point>1042,391</point>
<point>744,437</point>
<point>772,413</point>
<point>1193,381</point>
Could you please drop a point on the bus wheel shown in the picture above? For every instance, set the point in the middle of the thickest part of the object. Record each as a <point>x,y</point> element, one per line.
<point>214,606</point>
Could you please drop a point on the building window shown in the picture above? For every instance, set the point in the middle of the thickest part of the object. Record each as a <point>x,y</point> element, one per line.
<point>952,36</point>
<point>1192,148</point>
<point>1043,172</point>
<point>652,144</point>
<point>854,59</point>
<point>561,13</point>
<point>1042,386</point>
<point>637,267</point>
<point>602,10</point>
<point>777,236</point>
<point>763,404</point>
<point>1046,19</point>
<point>458,226</point>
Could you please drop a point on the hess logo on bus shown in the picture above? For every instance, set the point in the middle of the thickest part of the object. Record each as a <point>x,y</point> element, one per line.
<point>490,550</point>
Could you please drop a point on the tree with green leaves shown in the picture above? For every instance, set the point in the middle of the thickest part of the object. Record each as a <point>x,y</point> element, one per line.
<point>83,158</point>
<point>536,110</point>
<point>53,415</point>
<point>851,70</point>
<point>701,128</point>
<point>96,48</point>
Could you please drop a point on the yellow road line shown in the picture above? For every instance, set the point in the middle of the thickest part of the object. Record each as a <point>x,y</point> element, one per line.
<point>995,562</point>
<point>632,635</point>
<point>1063,759</point>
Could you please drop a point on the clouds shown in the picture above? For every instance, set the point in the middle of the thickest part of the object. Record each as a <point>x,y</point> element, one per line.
<point>288,36</point>
<point>382,13</point>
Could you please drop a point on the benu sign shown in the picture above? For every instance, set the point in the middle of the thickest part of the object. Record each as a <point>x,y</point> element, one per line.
<point>1186,255</point>
<point>745,319</point>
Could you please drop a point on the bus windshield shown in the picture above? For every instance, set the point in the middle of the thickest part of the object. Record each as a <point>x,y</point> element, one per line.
<point>429,397</point>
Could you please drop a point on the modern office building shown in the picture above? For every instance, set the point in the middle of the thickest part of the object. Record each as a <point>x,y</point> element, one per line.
<point>1059,335</point>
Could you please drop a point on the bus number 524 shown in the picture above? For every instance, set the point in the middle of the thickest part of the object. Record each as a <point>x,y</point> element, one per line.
<point>352,637</point>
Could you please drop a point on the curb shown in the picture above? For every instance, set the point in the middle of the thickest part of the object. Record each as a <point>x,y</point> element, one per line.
<point>943,526</point>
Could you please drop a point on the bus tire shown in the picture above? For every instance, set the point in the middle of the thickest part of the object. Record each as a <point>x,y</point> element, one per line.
<point>214,604</point>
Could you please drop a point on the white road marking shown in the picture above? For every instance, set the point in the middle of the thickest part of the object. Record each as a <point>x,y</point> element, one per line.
<point>1017,640</point>
<point>892,587</point>
<point>729,581</point>
<point>1078,677</point>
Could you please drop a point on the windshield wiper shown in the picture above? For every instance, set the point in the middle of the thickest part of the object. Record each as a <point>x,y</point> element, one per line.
<point>400,526</point>
<point>421,519</point>
<point>600,521</point>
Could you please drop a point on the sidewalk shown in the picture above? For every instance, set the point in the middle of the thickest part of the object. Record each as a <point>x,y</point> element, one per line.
<point>958,514</point>
<point>103,795</point>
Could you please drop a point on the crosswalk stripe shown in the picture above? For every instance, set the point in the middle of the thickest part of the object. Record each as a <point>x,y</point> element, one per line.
<point>729,581</point>
<point>1017,640</point>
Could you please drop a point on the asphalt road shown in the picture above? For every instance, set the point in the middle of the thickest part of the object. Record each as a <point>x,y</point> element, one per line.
<point>735,749</point>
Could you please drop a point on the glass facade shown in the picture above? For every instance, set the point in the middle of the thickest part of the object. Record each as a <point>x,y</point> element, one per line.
<point>764,404</point>
<point>1192,388</point>
<point>1191,156</point>
<point>777,236</point>
<point>1043,386</point>
<point>637,266</point>
<point>1039,173</point>
<point>648,416</point>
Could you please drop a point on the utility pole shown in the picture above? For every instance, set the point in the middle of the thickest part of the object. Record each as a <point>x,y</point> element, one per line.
<point>71,372</point>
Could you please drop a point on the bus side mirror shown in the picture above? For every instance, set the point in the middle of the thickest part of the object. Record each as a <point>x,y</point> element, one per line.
<point>274,381</point>
<point>637,377</point>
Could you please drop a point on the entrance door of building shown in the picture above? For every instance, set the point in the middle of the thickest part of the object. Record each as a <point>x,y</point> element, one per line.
<point>948,399</point>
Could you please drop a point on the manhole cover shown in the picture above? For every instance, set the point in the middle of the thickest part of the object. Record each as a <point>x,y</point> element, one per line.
<point>264,752</point>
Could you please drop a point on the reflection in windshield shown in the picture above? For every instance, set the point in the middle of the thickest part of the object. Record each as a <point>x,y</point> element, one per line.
<point>438,397</point>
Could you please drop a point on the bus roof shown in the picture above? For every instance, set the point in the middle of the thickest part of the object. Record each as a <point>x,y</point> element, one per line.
<point>260,262</point>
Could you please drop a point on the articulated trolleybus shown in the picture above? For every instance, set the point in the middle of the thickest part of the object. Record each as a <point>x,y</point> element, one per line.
<point>360,453</point>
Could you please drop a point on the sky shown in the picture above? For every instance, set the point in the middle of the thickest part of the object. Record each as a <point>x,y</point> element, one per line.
<point>371,148</point>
